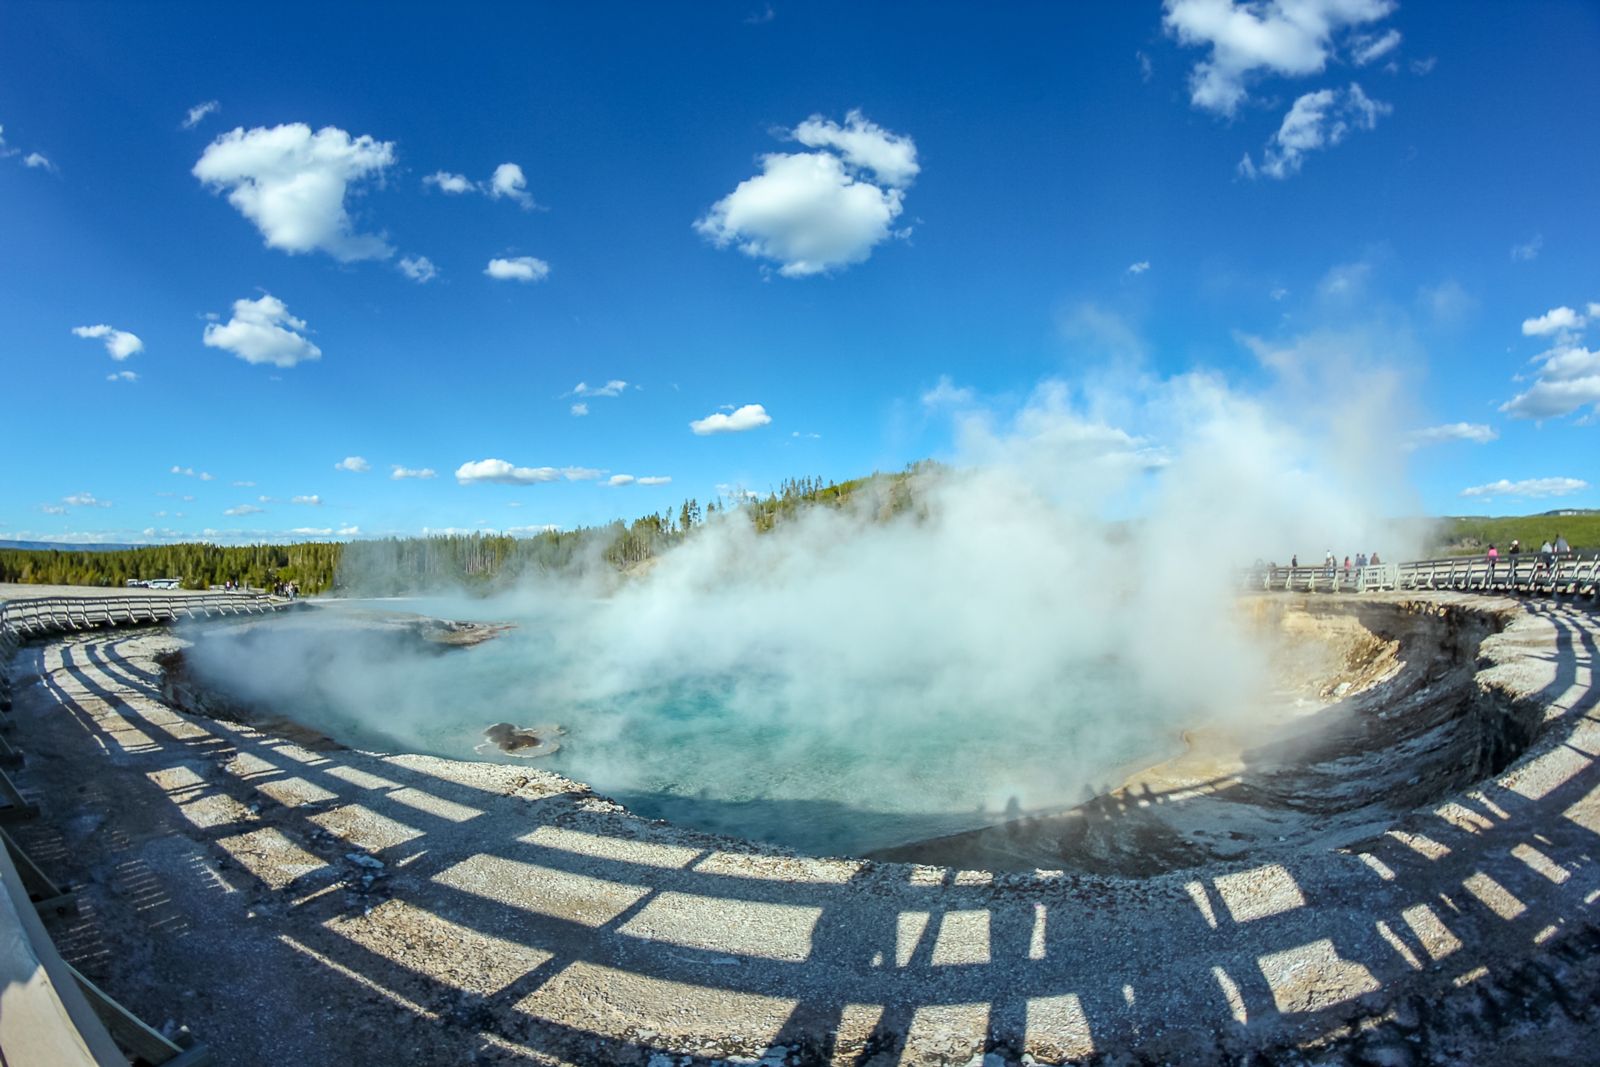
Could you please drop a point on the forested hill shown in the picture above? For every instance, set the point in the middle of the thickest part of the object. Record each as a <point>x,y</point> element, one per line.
<point>390,566</point>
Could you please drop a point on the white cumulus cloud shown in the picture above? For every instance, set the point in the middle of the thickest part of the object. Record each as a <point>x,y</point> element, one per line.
<point>812,212</point>
<point>400,473</point>
<point>520,269</point>
<point>499,471</point>
<point>122,376</point>
<point>243,509</point>
<point>292,182</point>
<point>199,112</point>
<point>746,418</point>
<point>1568,379</point>
<point>313,500</point>
<point>446,182</point>
<point>509,183</point>
<point>1291,38</point>
<point>38,161</point>
<point>580,409</point>
<point>419,269</point>
<point>84,500</point>
<point>891,157</point>
<point>120,344</point>
<point>1556,320</point>
<point>1139,267</point>
<point>1316,120</point>
<point>612,388</point>
<point>1529,487</point>
<point>263,331</point>
<point>353,464</point>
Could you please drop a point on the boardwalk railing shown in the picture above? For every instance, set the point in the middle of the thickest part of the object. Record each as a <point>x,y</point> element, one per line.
<point>59,614</point>
<point>1571,574</point>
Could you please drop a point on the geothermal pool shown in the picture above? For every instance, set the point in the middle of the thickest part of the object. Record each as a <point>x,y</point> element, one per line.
<point>748,750</point>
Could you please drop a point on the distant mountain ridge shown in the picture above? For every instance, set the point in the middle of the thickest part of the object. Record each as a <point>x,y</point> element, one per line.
<point>64,546</point>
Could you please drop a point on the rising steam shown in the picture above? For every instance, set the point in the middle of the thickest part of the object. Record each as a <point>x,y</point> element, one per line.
<point>1058,604</point>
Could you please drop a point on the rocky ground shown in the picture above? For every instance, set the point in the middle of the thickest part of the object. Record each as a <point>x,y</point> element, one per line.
<point>295,905</point>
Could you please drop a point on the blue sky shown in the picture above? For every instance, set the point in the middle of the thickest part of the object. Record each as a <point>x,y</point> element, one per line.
<point>780,226</point>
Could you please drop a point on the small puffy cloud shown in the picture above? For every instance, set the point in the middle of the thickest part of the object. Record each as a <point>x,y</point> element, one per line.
<point>190,472</point>
<point>37,160</point>
<point>581,474</point>
<point>262,331</point>
<point>1530,487</point>
<point>353,464</point>
<point>120,344</point>
<point>84,500</point>
<point>1345,280</point>
<point>1556,320</point>
<point>746,418</point>
<point>812,212</point>
<point>612,388</point>
<point>122,376</point>
<point>1369,48</point>
<point>445,182</point>
<point>1476,432</point>
<point>399,473</point>
<point>312,500</point>
<point>1527,250</point>
<point>1291,38</point>
<point>508,183</point>
<point>1315,121</point>
<point>891,157</point>
<point>580,409</point>
<point>419,269</point>
<point>1139,267</point>
<point>520,269</point>
<point>621,479</point>
<point>199,112</point>
<point>499,471</point>
<point>243,509</point>
<point>53,509</point>
<point>291,183</point>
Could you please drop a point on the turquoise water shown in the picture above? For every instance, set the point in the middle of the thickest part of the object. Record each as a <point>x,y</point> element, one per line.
<point>750,751</point>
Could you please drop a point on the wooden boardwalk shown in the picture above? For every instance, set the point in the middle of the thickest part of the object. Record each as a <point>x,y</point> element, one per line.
<point>43,616</point>
<point>1570,575</point>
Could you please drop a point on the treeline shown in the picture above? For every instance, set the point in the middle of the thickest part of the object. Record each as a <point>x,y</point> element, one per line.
<point>398,565</point>
<point>311,565</point>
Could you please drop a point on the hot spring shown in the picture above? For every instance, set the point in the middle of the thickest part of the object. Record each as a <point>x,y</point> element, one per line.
<point>731,751</point>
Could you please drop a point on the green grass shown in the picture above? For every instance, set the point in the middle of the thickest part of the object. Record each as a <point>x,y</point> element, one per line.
<point>1462,536</point>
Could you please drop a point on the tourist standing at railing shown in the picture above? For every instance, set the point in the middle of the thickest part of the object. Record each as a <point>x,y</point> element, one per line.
<point>1494,557</point>
<point>1329,563</point>
<point>1561,546</point>
<point>1361,562</point>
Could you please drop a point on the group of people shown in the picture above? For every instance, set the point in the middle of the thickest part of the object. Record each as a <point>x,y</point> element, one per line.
<point>1547,551</point>
<point>1330,563</point>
